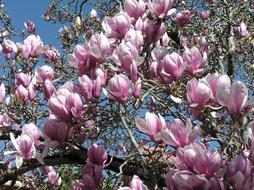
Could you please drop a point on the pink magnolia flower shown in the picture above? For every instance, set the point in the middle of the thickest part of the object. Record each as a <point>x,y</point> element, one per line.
<point>135,37</point>
<point>119,88</point>
<point>93,13</point>
<point>183,17</point>
<point>5,120</point>
<point>97,155</point>
<point>160,7</point>
<point>135,8</point>
<point>22,93</point>
<point>44,72</point>
<point>204,15</point>
<point>177,134</point>
<point>74,105</point>
<point>195,61</point>
<point>153,30</point>
<point>77,185</point>
<point>23,79</point>
<point>186,180</point>
<point>135,184</point>
<point>33,131</point>
<point>217,81</point>
<point>9,47</point>
<point>30,27</point>
<point>54,129</point>
<point>242,30</point>
<point>57,105</point>
<point>239,172</point>
<point>126,57</point>
<point>198,93</point>
<point>51,54</point>
<point>117,26</point>
<point>165,39</point>
<point>195,157</point>
<point>2,92</point>
<point>24,145</point>
<point>48,89</point>
<point>100,47</point>
<point>234,97</point>
<point>32,47</point>
<point>100,80</point>
<point>151,125</point>
<point>54,178</point>
<point>85,87</point>
<point>171,67</point>
<point>92,175</point>
<point>86,58</point>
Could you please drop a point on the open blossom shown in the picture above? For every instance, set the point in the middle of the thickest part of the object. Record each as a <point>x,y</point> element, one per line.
<point>171,67</point>
<point>24,145</point>
<point>43,73</point>
<point>151,125</point>
<point>195,157</point>
<point>198,93</point>
<point>160,7</point>
<point>50,54</point>
<point>195,61</point>
<point>217,81</point>
<point>9,47</point>
<point>135,8</point>
<point>99,47</point>
<point>117,26</point>
<point>66,103</point>
<point>126,57</point>
<point>240,174</point>
<point>74,105</point>
<point>135,37</point>
<point>186,180</point>
<point>119,88</point>
<point>178,134</point>
<point>233,97</point>
<point>32,47</point>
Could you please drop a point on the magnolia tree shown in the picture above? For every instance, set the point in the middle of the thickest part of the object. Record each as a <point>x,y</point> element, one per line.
<point>141,95</point>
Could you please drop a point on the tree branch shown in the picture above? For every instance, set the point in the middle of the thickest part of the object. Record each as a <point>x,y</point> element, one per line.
<point>79,157</point>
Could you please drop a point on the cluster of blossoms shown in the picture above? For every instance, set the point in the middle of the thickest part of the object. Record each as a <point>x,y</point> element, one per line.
<point>216,89</point>
<point>132,48</point>
<point>92,171</point>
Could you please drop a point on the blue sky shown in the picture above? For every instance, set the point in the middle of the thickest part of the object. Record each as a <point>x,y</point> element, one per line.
<point>23,10</point>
